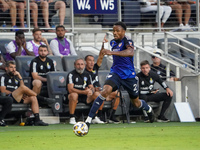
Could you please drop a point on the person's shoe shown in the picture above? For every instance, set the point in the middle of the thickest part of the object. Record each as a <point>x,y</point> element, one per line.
<point>181,26</point>
<point>97,121</point>
<point>14,29</point>
<point>2,123</point>
<point>40,123</point>
<point>88,124</point>
<point>113,120</point>
<point>72,120</point>
<point>146,119</point>
<point>162,119</point>
<point>150,114</point>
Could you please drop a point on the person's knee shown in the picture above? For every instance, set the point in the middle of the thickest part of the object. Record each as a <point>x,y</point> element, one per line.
<point>44,4</point>
<point>73,97</point>
<point>37,83</point>
<point>136,102</point>
<point>33,99</point>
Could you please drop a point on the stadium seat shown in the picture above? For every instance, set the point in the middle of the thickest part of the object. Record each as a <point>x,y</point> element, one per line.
<point>3,42</point>
<point>57,89</point>
<point>57,60</point>
<point>187,54</point>
<point>68,62</point>
<point>23,66</point>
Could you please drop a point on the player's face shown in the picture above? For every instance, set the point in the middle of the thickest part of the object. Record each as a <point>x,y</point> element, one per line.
<point>60,32</point>
<point>90,62</point>
<point>43,52</point>
<point>145,69</point>
<point>20,39</point>
<point>118,32</point>
<point>80,66</point>
<point>11,69</point>
<point>37,36</point>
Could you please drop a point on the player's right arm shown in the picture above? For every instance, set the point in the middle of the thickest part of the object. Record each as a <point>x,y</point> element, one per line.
<point>129,52</point>
<point>71,89</point>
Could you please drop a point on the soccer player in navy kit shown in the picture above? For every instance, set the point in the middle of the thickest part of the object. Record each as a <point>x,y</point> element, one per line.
<point>122,72</point>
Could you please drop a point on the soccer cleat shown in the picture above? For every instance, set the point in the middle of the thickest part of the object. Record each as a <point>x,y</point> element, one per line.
<point>2,123</point>
<point>146,119</point>
<point>40,123</point>
<point>72,120</point>
<point>96,120</point>
<point>113,120</point>
<point>162,119</point>
<point>88,124</point>
<point>150,114</point>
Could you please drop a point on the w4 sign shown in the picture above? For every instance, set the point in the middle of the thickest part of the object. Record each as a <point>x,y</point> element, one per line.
<point>95,6</point>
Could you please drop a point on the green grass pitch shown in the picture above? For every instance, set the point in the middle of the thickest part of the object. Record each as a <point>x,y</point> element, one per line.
<point>138,136</point>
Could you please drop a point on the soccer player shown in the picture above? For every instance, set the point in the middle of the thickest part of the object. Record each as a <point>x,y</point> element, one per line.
<point>122,72</point>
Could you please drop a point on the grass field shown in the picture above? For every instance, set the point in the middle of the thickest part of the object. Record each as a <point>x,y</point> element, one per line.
<point>138,136</point>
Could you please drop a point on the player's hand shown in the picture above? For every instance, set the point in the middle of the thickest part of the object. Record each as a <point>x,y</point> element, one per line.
<point>169,92</point>
<point>106,52</point>
<point>44,40</point>
<point>98,89</point>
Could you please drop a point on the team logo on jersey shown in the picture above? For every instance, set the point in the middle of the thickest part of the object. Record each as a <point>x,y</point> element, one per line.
<point>48,66</point>
<point>151,80</point>
<point>9,81</point>
<point>65,49</point>
<point>120,44</point>
<point>61,79</point>
<point>142,82</point>
<point>93,71</point>
<point>16,81</point>
<point>85,79</point>
<point>16,87</point>
<point>131,43</point>
<point>158,72</point>
<point>41,67</point>
<point>76,79</point>
<point>133,73</point>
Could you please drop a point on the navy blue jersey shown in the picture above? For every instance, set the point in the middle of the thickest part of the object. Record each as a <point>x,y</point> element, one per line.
<point>123,66</point>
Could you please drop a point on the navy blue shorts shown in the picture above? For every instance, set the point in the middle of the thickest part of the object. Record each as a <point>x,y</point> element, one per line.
<point>130,84</point>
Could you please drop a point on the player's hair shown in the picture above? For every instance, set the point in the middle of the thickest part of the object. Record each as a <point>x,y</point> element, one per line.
<point>120,23</point>
<point>60,26</point>
<point>36,29</point>
<point>79,59</point>
<point>43,46</point>
<point>10,62</point>
<point>88,56</point>
<point>20,32</point>
<point>144,62</point>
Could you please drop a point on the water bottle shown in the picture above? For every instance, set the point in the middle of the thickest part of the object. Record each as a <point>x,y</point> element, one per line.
<point>4,26</point>
<point>184,65</point>
<point>53,25</point>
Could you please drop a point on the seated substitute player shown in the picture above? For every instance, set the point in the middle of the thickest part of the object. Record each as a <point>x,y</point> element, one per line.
<point>38,40</point>
<point>17,47</point>
<point>12,84</point>
<point>122,72</point>
<point>147,78</point>
<point>62,46</point>
<point>80,89</point>
<point>93,68</point>
<point>39,67</point>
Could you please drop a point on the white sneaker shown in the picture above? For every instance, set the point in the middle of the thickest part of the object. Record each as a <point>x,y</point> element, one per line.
<point>72,120</point>
<point>97,120</point>
<point>181,26</point>
<point>187,26</point>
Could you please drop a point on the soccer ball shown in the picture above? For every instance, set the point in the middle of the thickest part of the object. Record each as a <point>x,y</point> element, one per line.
<point>80,128</point>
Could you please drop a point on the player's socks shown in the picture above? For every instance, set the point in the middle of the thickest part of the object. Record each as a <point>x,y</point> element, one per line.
<point>145,106</point>
<point>97,103</point>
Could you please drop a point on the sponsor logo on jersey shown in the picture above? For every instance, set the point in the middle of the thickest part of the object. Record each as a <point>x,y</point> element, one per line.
<point>41,67</point>
<point>76,79</point>
<point>9,81</point>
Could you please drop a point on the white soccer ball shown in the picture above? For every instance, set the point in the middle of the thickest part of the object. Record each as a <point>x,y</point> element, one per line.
<point>80,128</point>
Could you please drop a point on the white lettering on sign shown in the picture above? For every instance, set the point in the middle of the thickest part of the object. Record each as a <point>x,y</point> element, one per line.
<point>83,4</point>
<point>107,4</point>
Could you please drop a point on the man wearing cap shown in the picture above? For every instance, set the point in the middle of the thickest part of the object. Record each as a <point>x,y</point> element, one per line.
<point>160,69</point>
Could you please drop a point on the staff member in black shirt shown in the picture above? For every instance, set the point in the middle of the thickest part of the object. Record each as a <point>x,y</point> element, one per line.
<point>147,78</point>
<point>39,68</point>
<point>79,87</point>
<point>12,84</point>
